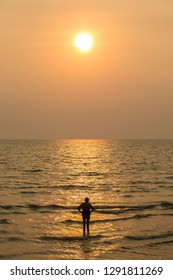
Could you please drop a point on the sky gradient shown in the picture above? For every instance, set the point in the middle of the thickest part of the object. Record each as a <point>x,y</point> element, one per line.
<point>122,88</point>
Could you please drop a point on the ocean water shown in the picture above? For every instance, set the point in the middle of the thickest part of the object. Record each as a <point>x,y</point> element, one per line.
<point>130,184</point>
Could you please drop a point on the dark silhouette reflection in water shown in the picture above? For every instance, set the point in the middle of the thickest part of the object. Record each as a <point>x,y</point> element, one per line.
<point>90,246</point>
<point>86,248</point>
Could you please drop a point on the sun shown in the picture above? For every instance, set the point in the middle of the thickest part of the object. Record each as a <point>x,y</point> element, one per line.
<point>83,42</point>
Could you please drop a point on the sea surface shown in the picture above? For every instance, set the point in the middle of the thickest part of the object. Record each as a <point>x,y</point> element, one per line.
<point>130,184</point>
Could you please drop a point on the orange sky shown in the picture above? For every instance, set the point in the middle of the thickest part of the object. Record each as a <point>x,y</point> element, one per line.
<point>121,88</point>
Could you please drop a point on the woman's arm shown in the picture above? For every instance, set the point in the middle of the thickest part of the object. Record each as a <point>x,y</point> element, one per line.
<point>79,208</point>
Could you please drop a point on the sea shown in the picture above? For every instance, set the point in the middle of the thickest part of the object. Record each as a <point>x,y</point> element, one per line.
<point>129,183</point>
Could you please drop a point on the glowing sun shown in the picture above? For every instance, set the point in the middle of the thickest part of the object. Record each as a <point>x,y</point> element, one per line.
<point>83,42</point>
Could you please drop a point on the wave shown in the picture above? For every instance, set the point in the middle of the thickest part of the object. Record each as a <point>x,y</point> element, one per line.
<point>145,216</point>
<point>138,182</point>
<point>29,192</point>
<point>13,238</point>
<point>144,237</point>
<point>63,187</point>
<point>69,187</point>
<point>101,209</point>
<point>89,173</point>
<point>34,170</point>
<point>68,238</point>
<point>51,206</point>
<point>166,204</point>
<point>126,209</point>
<point>3,231</point>
<point>127,218</point>
<point>148,182</point>
<point>5,221</point>
<point>160,243</point>
<point>10,207</point>
<point>169,177</point>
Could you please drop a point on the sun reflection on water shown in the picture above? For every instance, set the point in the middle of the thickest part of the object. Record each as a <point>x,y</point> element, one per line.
<point>128,182</point>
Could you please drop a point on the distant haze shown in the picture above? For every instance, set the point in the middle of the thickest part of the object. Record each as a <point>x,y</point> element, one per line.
<point>121,88</point>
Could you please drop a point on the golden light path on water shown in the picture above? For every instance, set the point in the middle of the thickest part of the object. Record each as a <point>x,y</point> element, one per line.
<point>82,157</point>
<point>128,182</point>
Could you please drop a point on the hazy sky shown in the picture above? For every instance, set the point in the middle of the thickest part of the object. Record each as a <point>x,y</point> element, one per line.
<point>121,88</point>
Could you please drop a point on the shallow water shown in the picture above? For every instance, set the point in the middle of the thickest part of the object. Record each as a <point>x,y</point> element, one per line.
<point>130,184</point>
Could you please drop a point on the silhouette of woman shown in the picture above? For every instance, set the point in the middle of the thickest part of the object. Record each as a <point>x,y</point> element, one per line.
<point>86,208</point>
